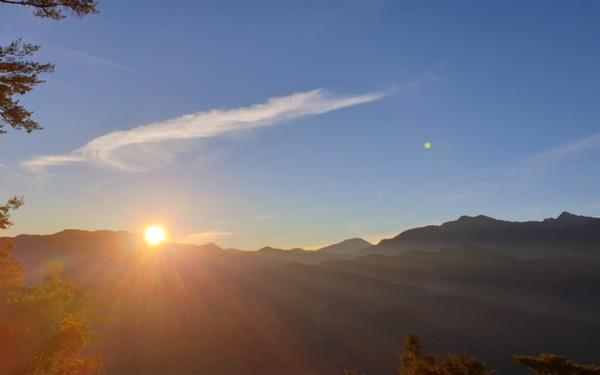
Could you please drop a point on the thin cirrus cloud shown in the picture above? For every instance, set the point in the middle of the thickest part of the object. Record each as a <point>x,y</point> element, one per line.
<point>540,162</point>
<point>523,172</point>
<point>85,57</point>
<point>122,149</point>
<point>583,144</point>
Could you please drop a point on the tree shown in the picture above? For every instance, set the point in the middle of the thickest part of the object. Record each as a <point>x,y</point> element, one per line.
<point>552,364</point>
<point>18,75</point>
<point>45,329</point>
<point>12,274</point>
<point>55,9</point>
<point>414,362</point>
<point>12,204</point>
<point>464,365</point>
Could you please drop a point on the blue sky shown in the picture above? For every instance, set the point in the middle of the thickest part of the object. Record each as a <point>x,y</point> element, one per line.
<point>507,93</point>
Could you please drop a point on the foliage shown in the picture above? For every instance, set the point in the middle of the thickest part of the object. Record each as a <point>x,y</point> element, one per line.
<point>18,74</point>
<point>414,362</point>
<point>55,9</point>
<point>12,204</point>
<point>552,364</point>
<point>11,272</point>
<point>44,328</point>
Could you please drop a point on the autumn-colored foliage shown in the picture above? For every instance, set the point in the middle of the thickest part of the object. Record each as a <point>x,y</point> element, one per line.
<point>43,327</point>
<point>12,274</point>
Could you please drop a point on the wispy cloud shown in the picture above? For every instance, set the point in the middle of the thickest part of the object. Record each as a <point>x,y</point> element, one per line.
<point>564,150</point>
<point>89,58</point>
<point>122,149</point>
<point>39,163</point>
<point>538,163</point>
<point>521,173</point>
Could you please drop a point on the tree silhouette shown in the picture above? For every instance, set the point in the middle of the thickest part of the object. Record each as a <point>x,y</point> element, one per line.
<point>414,362</point>
<point>55,9</point>
<point>12,204</point>
<point>18,74</point>
<point>552,364</point>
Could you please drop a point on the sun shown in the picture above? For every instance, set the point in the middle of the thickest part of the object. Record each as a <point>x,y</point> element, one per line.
<point>154,235</point>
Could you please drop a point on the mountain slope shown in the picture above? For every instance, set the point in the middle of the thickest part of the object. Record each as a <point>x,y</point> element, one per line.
<point>567,234</point>
<point>348,246</point>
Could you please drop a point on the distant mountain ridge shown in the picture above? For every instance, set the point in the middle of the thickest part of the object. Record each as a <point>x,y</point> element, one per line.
<point>344,249</point>
<point>348,246</point>
<point>566,234</point>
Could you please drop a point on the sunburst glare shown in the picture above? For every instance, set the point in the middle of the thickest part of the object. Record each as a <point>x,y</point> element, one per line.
<point>154,235</point>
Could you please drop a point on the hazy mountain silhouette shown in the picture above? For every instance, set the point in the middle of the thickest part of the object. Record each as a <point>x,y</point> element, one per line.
<point>74,248</point>
<point>348,246</point>
<point>567,234</point>
<point>283,257</point>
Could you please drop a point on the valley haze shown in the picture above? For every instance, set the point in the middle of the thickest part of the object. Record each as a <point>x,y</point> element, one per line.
<point>457,284</point>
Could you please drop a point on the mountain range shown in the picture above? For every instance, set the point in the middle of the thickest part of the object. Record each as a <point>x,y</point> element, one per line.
<point>566,234</point>
<point>476,285</point>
